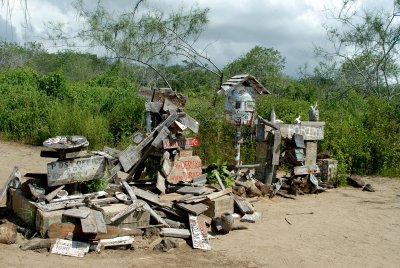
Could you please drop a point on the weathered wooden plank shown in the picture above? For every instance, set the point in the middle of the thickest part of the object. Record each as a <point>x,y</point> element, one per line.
<point>199,240</point>
<point>195,209</point>
<point>166,167</point>
<point>160,183</point>
<point>131,155</point>
<point>129,209</point>
<point>276,148</point>
<point>128,190</point>
<point>77,154</point>
<point>311,152</point>
<point>310,130</point>
<point>191,190</point>
<point>155,215</point>
<point>169,105</point>
<point>175,232</point>
<point>60,205</point>
<point>219,181</point>
<point>117,241</point>
<point>183,143</point>
<point>185,153</point>
<point>191,123</point>
<point>77,213</point>
<point>305,170</point>
<point>61,230</point>
<point>185,169</point>
<point>244,206</point>
<point>70,248</point>
<point>147,196</point>
<point>155,107</point>
<point>15,174</point>
<point>77,170</point>
<point>94,223</point>
<point>253,218</point>
<point>161,136</point>
<point>50,196</point>
<point>214,195</point>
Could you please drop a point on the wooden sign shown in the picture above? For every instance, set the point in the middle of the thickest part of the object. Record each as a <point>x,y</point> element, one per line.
<point>77,170</point>
<point>117,241</point>
<point>199,240</point>
<point>185,169</point>
<point>176,143</point>
<point>311,131</point>
<point>70,248</point>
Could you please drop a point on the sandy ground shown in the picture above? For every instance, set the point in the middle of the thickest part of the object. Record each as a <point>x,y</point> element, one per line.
<point>348,228</point>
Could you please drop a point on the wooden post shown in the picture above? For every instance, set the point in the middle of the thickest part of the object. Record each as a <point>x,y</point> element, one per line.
<point>237,145</point>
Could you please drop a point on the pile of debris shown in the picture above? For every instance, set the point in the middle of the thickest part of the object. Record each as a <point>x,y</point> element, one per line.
<point>150,195</point>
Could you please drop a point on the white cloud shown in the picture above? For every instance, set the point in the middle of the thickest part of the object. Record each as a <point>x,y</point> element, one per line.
<point>236,26</point>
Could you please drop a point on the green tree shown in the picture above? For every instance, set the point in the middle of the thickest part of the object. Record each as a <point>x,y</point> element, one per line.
<point>142,34</point>
<point>365,49</point>
<point>266,64</point>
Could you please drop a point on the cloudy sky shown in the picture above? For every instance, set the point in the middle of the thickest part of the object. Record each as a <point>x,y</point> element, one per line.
<point>235,26</point>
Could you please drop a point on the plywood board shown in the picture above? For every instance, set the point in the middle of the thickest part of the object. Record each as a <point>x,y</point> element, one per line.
<point>77,170</point>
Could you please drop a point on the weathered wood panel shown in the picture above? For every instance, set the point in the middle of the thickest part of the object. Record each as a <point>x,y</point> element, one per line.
<point>191,123</point>
<point>311,131</point>
<point>129,209</point>
<point>305,170</point>
<point>174,232</point>
<point>199,240</point>
<point>15,174</point>
<point>185,169</point>
<point>70,248</point>
<point>77,213</point>
<point>311,152</point>
<point>117,241</point>
<point>94,223</point>
<point>176,143</point>
<point>77,170</point>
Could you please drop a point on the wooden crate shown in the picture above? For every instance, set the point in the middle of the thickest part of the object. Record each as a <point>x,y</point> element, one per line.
<point>328,169</point>
<point>218,206</point>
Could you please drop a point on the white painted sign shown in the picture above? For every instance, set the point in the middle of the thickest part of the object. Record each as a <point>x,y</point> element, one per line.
<point>70,248</point>
<point>311,131</point>
<point>117,241</point>
<point>77,170</point>
<point>199,240</point>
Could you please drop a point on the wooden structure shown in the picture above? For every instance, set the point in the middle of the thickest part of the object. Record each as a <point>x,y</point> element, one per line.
<point>305,135</point>
<point>240,104</point>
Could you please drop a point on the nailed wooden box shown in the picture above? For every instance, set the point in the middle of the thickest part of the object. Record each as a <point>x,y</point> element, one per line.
<point>41,220</point>
<point>218,206</point>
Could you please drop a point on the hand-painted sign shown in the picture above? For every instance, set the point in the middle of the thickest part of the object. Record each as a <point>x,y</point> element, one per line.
<point>77,170</point>
<point>176,143</point>
<point>311,131</point>
<point>185,169</point>
<point>199,240</point>
<point>70,248</point>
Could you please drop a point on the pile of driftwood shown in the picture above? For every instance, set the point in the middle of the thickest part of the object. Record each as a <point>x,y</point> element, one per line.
<point>154,193</point>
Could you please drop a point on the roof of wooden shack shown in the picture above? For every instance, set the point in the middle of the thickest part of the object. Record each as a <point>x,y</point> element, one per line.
<point>245,80</point>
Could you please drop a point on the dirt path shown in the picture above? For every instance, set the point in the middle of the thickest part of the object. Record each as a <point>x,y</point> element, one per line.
<point>348,228</point>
